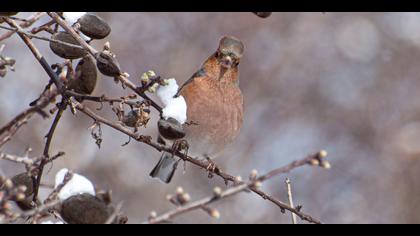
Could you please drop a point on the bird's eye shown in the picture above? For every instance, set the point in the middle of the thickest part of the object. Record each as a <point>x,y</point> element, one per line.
<point>225,51</point>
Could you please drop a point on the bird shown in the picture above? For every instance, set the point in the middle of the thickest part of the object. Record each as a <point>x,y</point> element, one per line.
<point>215,108</point>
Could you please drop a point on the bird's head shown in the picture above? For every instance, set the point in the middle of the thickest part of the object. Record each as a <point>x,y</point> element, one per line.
<point>229,52</point>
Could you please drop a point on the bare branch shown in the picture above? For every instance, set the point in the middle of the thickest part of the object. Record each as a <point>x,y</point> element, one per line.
<point>8,130</point>
<point>17,159</point>
<point>204,165</point>
<point>61,107</point>
<point>36,53</point>
<point>252,185</point>
<point>290,198</point>
<point>30,21</point>
<point>30,35</point>
<point>123,78</point>
<point>239,185</point>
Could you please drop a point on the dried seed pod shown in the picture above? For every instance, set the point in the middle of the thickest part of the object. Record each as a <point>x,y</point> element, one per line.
<point>85,209</point>
<point>86,76</point>
<point>93,26</point>
<point>263,14</point>
<point>171,129</point>
<point>66,51</point>
<point>132,118</point>
<point>107,64</point>
<point>25,180</point>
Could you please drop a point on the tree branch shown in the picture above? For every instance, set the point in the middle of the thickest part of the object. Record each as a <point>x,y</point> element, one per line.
<point>8,130</point>
<point>122,77</point>
<point>239,186</point>
<point>252,185</point>
<point>17,159</point>
<point>46,156</point>
<point>290,198</point>
<point>30,21</point>
<point>31,35</point>
<point>217,171</point>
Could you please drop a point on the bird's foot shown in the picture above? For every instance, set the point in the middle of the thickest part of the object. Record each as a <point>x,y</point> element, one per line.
<point>211,167</point>
<point>180,145</point>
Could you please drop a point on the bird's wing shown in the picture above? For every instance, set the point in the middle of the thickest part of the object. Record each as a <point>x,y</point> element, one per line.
<point>199,73</point>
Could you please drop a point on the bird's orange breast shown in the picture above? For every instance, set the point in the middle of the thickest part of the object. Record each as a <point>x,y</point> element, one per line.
<point>216,111</point>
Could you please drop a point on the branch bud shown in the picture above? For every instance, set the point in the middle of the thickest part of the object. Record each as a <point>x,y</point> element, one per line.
<point>326,165</point>
<point>322,154</point>
<point>215,213</point>
<point>253,175</point>
<point>217,192</point>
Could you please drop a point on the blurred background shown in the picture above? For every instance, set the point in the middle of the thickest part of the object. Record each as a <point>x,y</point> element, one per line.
<point>344,82</point>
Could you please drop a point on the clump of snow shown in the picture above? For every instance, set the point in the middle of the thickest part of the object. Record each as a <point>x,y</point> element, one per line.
<point>72,17</point>
<point>49,222</point>
<point>168,91</point>
<point>78,184</point>
<point>175,107</point>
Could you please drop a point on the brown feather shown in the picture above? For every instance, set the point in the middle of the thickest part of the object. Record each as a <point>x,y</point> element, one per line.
<point>215,103</point>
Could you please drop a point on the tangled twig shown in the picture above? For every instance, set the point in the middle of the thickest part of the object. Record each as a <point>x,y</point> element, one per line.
<point>238,185</point>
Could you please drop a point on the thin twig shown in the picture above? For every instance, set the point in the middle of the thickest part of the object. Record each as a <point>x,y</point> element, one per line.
<point>196,205</point>
<point>43,27</point>
<point>53,195</point>
<point>100,99</point>
<point>46,156</point>
<point>62,106</point>
<point>31,35</point>
<point>204,165</point>
<point>122,78</point>
<point>37,54</point>
<point>28,162</point>
<point>290,198</point>
<point>30,21</point>
<point>148,140</point>
<point>8,130</point>
<point>227,193</point>
<point>17,159</point>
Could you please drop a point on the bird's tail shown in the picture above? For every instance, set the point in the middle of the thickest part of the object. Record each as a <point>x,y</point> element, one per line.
<point>165,168</point>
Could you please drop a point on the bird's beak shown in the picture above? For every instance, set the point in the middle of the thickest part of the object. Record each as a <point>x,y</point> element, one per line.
<point>227,62</point>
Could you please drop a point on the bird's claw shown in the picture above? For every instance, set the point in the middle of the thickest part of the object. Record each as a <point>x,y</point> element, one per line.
<point>211,167</point>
